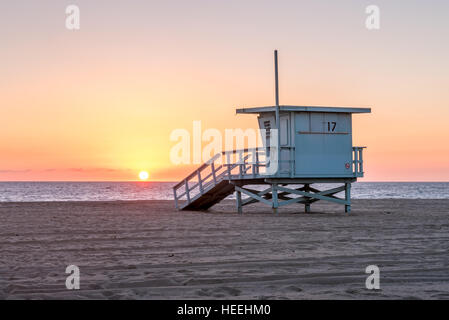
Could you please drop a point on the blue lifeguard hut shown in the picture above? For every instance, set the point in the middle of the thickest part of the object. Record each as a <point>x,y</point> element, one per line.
<point>303,145</point>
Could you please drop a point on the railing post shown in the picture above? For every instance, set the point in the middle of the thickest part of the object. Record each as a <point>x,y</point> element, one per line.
<point>228,164</point>
<point>212,167</point>
<point>356,161</point>
<point>256,166</point>
<point>228,157</point>
<point>361,160</point>
<point>240,163</point>
<point>200,183</point>
<point>187,191</point>
<point>253,156</point>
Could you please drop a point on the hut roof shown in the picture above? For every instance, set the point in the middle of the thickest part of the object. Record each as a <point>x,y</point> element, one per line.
<point>304,109</point>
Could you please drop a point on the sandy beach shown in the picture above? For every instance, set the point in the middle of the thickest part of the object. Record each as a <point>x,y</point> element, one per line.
<point>148,250</point>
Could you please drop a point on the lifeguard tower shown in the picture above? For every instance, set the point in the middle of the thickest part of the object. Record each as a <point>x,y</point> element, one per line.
<point>303,145</point>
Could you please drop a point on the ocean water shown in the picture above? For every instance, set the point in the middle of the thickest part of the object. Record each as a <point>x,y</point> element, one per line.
<point>103,191</point>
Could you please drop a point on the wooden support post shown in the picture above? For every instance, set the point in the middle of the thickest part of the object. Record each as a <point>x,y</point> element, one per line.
<point>307,204</point>
<point>238,196</point>
<point>348,197</point>
<point>274,194</point>
<point>176,198</point>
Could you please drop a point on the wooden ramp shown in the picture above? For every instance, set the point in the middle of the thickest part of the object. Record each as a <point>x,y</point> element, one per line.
<point>213,195</point>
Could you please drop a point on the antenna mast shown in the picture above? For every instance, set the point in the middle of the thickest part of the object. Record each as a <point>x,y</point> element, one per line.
<point>276,79</point>
<point>278,126</point>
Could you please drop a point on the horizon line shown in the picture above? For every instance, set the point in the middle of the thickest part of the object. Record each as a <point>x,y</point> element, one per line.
<point>176,181</point>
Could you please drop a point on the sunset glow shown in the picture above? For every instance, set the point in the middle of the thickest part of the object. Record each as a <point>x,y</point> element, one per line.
<point>100,103</point>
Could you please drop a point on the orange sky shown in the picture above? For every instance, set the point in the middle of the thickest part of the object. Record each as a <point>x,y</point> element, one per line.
<point>100,103</point>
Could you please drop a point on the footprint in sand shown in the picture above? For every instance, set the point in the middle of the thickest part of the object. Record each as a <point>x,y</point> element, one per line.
<point>293,288</point>
<point>108,294</point>
<point>352,291</point>
<point>230,291</point>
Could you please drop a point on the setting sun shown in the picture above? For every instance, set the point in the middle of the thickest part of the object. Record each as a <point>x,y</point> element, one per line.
<point>143,175</point>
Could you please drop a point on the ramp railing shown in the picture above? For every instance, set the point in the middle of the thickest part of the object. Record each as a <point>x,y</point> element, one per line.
<point>357,161</point>
<point>228,165</point>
